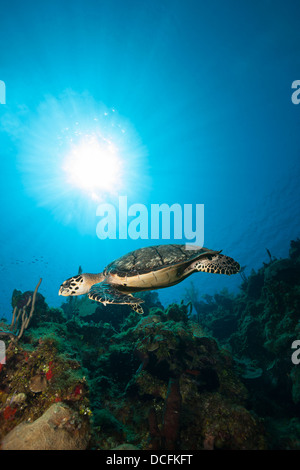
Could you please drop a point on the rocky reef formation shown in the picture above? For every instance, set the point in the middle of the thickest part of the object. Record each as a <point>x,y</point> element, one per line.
<point>59,428</point>
<point>157,381</point>
<point>258,326</point>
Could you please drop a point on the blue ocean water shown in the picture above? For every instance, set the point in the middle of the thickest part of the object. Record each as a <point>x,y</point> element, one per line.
<point>193,97</point>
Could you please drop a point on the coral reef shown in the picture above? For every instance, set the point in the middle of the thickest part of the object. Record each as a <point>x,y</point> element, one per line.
<point>24,305</point>
<point>138,383</point>
<point>40,370</point>
<point>258,326</point>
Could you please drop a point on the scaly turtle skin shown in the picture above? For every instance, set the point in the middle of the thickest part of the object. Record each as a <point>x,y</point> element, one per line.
<point>148,268</point>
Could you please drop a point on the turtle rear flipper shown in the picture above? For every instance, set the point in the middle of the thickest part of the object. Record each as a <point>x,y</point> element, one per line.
<point>108,294</point>
<point>219,264</point>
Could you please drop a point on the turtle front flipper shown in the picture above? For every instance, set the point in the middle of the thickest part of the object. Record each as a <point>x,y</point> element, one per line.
<point>219,264</point>
<point>108,294</point>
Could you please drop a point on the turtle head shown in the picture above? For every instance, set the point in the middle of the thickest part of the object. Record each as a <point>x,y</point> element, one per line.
<point>75,285</point>
<point>78,285</point>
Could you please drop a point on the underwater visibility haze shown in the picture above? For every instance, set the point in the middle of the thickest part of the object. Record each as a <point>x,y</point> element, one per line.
<point>128,125</point>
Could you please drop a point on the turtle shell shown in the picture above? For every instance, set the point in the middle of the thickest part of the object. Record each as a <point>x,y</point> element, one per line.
<point>154,258</point>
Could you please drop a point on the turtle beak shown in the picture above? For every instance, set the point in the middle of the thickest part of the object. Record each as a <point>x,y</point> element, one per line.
<point>62,291</point>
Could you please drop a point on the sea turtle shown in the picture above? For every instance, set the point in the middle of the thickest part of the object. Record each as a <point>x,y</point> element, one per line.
<point>149,268</point>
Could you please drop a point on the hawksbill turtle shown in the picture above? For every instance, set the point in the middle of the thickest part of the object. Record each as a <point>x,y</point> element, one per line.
<point>153,267</point>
